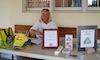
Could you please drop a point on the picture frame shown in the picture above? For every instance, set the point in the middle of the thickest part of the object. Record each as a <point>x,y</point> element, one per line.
<point>69,41</point>
<point>50,38</point>
<point>87,37</point>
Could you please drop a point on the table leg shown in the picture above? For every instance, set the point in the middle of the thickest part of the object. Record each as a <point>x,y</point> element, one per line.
<point>0,56</point>
<point>12,57</point>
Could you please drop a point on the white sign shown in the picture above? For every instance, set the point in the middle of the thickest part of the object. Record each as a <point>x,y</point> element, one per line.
<point>69,41</point>
<point>87,38</point>
<point>50,38</point>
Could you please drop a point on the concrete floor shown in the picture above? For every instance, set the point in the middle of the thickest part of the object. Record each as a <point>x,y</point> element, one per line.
<point>4,59</point>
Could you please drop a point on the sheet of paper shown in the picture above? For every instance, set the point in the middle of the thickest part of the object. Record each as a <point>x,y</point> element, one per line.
<point>35,40</point>
<point>87,38</point>
<point>50,38</point>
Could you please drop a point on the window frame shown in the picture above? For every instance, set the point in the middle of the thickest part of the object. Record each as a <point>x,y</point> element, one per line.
<point>26,9</point>
<point>84,7</point>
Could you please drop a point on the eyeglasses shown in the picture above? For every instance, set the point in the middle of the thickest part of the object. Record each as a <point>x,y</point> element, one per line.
<point>45,9</point>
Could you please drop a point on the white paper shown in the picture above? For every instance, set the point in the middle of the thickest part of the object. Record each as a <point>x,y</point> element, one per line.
<point>69,41</point>
<point>87,38</point>
<point>50,38</point>
<point>35,40</point>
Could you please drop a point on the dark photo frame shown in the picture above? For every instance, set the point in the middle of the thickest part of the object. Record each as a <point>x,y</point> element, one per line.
<point>89,34</point>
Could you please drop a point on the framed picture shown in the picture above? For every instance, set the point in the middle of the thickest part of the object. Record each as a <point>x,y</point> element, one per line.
<point>87,37</point>
<point>69,41</point>
<point>50,38</point>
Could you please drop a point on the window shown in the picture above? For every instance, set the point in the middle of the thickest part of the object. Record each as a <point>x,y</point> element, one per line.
<point>68,5</point>
<point>61,5</point>
<point>36,5</point>
<point>93,4</point>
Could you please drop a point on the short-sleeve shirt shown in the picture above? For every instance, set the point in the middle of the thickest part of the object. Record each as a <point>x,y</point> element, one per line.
<point>39,26</point>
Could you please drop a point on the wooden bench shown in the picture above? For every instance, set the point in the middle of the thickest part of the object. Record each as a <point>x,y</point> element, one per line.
<point>62,30</point>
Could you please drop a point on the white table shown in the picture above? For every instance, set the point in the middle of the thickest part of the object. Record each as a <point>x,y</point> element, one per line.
<point>36,51</point>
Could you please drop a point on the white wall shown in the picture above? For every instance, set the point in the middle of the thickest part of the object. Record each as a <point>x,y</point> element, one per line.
<point>4,13</point>
<point>11,14</point>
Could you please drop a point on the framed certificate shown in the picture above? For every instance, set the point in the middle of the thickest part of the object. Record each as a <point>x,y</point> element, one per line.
<point>50,38</point>
<point>87,37</point>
